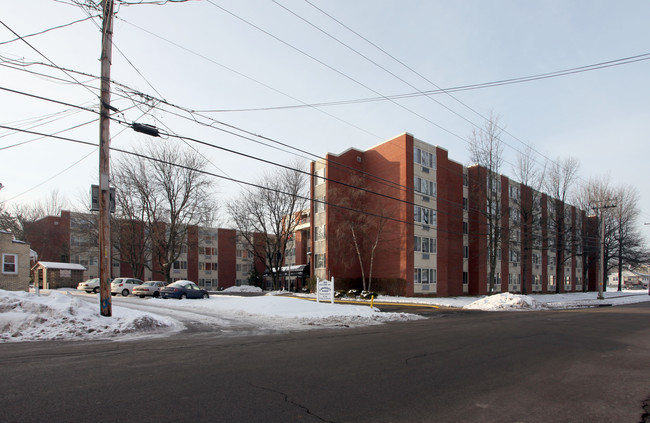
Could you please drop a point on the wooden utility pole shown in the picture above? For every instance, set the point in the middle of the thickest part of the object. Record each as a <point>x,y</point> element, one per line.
<point>603,271</point>
<point>104,161</point>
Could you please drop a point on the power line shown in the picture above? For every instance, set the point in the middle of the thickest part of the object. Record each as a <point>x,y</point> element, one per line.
<point>249,78</point>
<point>43,55</point>
<point>46,30</point>
<point>328,203</point>
<point>555,74</point>
<point>600,65</point>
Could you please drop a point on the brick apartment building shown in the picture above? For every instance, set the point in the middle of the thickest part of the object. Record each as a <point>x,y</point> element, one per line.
<point>212,257</point>
<point>433,241</point>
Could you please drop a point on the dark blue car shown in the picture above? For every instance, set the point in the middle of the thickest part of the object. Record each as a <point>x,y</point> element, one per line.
<point>183,289</point>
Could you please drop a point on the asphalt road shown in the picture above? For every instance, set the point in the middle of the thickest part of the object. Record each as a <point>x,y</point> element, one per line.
<point>589,365</point>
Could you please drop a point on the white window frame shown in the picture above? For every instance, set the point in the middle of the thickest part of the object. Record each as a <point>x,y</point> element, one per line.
<point>5,263</point>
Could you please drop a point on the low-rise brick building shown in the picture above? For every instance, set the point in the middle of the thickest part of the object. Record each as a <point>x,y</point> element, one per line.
<point>14,275</point>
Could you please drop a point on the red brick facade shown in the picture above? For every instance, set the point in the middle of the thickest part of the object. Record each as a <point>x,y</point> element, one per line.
<point>387,180</point>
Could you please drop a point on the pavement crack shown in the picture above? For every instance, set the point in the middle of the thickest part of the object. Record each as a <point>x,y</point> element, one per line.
<point>289,401</point>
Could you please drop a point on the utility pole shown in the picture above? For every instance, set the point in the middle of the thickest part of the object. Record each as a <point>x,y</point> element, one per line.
<point>602,278</point>
<point>104,161</point>
<point>647,223</point>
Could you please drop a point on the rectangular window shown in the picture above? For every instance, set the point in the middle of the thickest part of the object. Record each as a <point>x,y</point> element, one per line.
<point>425,245</point>
<point>180,265</point>
<point>424,158</point>
<point>319,205</point>
<point>319,176</point>
<point>417,244</point>
<point>319,261</point>
<point>319,233</point>
<point>465,278</point>
<point>10,264</point>
<point>465,227</point>
<point>465,251</point>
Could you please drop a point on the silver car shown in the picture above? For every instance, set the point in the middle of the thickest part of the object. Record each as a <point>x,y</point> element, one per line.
<point>91,286</point>
<point>149,289</point>
<point>124,286</point>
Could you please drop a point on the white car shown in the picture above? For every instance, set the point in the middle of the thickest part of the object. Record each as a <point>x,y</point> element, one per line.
<point>149,289</point>
<point>91,286</point>
<point>124,286</point>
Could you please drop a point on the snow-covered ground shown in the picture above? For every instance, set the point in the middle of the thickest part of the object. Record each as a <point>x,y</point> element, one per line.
<point>70,315</point>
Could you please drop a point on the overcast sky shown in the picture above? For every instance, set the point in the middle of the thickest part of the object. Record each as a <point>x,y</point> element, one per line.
<point>234,56</point>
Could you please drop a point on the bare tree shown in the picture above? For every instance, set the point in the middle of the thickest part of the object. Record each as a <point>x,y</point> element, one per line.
<point>360,228</point>
<point>629,245</point>
<point>559,181</point>
<point>159,198</point>
<point>267,216</point>
<point>623,243</point>
<point>486,150</point>
<point>526,200</point>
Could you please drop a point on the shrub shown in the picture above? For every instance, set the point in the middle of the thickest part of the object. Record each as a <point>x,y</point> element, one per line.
<point>367,295</point>
<point>352,293</point>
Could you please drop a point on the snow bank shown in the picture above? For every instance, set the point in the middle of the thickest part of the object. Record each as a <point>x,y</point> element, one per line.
<point>60,315</point>
<point>243,288</point>
<point>506,302</point>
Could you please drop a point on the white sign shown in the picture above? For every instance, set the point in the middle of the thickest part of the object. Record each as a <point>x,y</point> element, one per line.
<point>325,291</point>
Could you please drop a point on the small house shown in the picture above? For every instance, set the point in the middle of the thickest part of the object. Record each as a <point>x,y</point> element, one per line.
<point>54,275</point>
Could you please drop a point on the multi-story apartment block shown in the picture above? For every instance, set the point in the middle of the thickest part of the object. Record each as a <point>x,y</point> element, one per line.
<point>417,221</point>
<point>212,257</point>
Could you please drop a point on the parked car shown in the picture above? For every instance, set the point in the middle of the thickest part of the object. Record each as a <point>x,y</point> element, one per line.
<point>634,285</point>
<point>149,289</point>
<point>91,286</point>
<point>124,286</point>
<point>183,289</point>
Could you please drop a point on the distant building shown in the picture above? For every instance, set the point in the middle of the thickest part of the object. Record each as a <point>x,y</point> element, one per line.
<point>214,258</point>
<point>14,275</point>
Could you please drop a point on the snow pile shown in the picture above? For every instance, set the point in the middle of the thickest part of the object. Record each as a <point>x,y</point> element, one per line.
<point>506,302</point>
<point>243,288</point>
<point>60,315</point>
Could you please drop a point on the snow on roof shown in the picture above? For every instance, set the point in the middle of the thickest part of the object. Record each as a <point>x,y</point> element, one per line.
<point>63,266</point>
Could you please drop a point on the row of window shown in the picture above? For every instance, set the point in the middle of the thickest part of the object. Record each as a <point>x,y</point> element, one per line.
<point>424,186</point>
<point>425,215</point>
<point>208,251</point>
<point>425,245</point>
<point>425,276</point>
<point>424,158</point>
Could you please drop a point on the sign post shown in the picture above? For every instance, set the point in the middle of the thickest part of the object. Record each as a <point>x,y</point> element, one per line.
<point>325,291</point>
